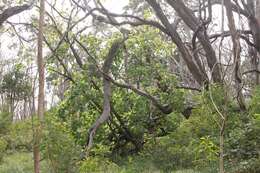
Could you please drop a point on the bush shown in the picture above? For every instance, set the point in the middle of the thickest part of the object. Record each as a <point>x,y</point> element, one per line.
<point>5,122</point>
<point>98,164</point>
<point>3,145</point>
<point>244,140</point>
<point>254,106</point>
<point>59,147</point>
<point>20,136</point>
<point>20,162</point>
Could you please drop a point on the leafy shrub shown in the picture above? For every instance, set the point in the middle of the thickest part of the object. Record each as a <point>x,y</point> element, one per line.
<point>3,145</point>
<point>255,102</point>
<point>5,122</point>
<point>98,164</point>
<point>244,141</point>
<point>206,155</point>
<point>59,147</point>
<point>20,136</point>
<point>20,162</point>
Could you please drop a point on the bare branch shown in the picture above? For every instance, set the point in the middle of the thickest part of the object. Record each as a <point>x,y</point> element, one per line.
<point>11,11</point>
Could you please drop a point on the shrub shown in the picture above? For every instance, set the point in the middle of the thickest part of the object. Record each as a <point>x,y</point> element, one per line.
<point>20,136</point>
<point>98,164</point>
<point>20,162</point>
<point>254,106</point>
<point>3,145</point>
<point>5,122</point>
<point>59,148</point>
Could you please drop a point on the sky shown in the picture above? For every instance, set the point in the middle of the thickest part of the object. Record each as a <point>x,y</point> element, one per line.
<point>6,40</point>
<point>115,5</point>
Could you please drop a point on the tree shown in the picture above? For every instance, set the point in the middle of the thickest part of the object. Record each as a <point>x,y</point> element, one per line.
<point>203,60</point>
<point>125,92</point>
<point>15,87</point>
<point>40,111</point>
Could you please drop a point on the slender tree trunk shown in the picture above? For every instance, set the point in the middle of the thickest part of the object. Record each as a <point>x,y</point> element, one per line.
<point>221,134</point>
<point>236,54</point>
<point>221,150</point>
<point>40,62</point>
<point>257,60</point>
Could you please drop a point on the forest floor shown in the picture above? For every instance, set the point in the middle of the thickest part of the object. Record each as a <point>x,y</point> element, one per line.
<point>22,162</point>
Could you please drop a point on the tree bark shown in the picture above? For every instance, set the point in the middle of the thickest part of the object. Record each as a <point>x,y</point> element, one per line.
<point>107,94</point>
<point>236,54</point>
<point>257,60</point>
<point>197,27</point>
<point>221,153</point>
<point>40,63</point>
<point>186,54</point>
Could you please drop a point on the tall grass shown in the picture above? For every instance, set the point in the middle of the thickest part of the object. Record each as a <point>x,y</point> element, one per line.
<point>21,162</point>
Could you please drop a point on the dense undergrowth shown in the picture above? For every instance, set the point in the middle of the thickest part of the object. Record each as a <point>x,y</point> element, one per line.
<point>190,145</point>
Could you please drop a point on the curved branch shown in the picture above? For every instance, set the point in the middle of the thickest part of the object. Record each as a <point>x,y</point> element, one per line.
<point>11,11</point>
<point>107,94</point>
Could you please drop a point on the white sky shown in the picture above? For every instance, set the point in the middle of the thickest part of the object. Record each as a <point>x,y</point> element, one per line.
<point>5,39</point>
<point>115,5</point>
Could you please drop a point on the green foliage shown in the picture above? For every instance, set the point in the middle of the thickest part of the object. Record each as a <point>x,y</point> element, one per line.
<point>3,146</point>
<point>98,164</point>
<point>168,143</point>
<point>147,58</point>
<point>16,83</point>
<point>58,146</point>
<point>5,122</point>
<point>20,162</point>
<point>244,145</point>
<point>79,112</point>
<point>205,152</point>
<point>255,102</point>
<point>20,136</point>
<point>251,165</point>
<point>138,137</point>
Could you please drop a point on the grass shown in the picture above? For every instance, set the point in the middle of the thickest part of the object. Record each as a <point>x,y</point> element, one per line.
<point>186,171</point>
<point>21,162</point>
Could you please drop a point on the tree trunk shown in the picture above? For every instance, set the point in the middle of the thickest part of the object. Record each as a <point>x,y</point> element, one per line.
<point>236,54</point>
<point>221,153</point>
<point>40,62</point>
<point>221,141</point>
<point>257,14</point>
<point>107,94</point>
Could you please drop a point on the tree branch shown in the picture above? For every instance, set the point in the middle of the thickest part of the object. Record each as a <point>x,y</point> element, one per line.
<point>11,11</point>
